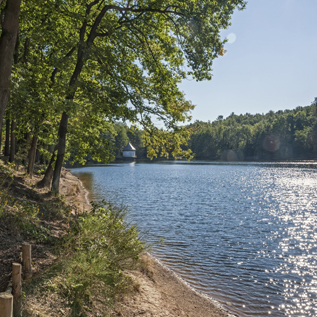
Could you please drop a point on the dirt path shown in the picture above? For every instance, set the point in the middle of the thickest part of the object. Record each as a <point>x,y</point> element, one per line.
<point>11,237</point>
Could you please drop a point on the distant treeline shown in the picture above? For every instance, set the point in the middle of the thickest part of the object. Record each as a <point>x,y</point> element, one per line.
<point>281,135</point>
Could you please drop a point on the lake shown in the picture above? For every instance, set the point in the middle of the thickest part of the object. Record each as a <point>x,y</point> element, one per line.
<point>244,234</point>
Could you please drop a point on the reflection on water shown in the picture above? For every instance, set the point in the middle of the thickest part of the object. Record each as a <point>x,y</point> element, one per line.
<point>243,233</point>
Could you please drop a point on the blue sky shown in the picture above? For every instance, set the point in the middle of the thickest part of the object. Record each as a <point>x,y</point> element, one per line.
<point>271,65</point>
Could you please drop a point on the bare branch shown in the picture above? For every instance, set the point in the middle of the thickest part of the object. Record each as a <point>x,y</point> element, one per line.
<point>102,34</point>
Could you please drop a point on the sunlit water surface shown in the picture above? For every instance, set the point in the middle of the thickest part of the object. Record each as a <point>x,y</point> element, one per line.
<point>244,234</point>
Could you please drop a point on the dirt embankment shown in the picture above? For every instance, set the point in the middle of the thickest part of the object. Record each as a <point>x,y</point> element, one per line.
<point>157,292</point>
<point>15,230</point>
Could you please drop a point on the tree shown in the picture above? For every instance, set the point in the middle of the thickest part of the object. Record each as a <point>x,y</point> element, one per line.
<point>121,139</point>
<point>280,135</point>
<point>136,137</point>
<point>9,28</point>
<point>124,60</point>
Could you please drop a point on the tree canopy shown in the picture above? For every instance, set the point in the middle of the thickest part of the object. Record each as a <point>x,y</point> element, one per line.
<point>88,64</point>
<point>281,135</point>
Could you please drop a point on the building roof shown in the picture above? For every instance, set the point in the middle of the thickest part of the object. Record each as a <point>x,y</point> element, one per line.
<point>129,147</point>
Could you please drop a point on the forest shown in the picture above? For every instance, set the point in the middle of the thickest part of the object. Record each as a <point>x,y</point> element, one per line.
<point>274,136</point>
<point>281,135</point>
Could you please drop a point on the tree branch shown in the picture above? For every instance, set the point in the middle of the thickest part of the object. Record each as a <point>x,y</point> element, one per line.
<point>131,9</point>
<point>93,32</point>
<point>56,70</point>
<point>147,44</point>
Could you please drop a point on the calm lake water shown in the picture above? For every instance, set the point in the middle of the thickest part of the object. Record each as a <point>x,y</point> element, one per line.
<point>245,234</point>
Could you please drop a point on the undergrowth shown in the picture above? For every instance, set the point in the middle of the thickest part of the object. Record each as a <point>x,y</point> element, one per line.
<point>26,215</point>
<point>93,257</point>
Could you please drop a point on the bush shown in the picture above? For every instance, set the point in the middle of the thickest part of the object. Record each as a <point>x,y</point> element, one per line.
<point>99,247</point>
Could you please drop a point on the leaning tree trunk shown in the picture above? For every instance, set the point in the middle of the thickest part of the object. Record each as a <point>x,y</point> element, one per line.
<point>61,152</point>
<point>62,131</point>
<point>10,25</point>
<point>32,155</point>
<point>7,142</point>
<point>13,141</point>
<point>46,181</point>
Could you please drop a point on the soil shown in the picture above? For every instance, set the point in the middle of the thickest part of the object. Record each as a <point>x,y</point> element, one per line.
<point>157,292</point>
<point>161,293</point>
<point>11,238</point>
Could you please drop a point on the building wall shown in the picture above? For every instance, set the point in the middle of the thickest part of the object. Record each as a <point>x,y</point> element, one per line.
<point>128,153</point>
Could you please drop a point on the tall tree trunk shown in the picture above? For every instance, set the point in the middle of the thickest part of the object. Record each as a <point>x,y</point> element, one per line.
<point>13,141</point>
<point>26,145</point>
<point>37,156</point>
<point>7,142</point>
<point>62,131</point>
<point>61,152</point>
<point>32,155</point>
<point>46,181</point>
<point>0,138</point>
<point>27,137</point>
<point>42,160</point>
<point>10,25</point>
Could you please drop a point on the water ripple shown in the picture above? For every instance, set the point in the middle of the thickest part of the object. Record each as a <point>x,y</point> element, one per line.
<point>245,234</point>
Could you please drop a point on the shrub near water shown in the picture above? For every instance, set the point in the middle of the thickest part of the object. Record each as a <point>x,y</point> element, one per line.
<point>95,253</point>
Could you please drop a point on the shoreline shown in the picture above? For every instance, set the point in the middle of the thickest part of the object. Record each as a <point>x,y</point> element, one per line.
<point>86,192</point>
<point>199,293</point>
<point>160,282</point>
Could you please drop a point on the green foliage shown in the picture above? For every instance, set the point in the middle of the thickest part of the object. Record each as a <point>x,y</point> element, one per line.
<point>284,135</point>
<point>6,180</point>
<point>121,139</point>
<point>24,215</point>
<point>136,137</point>
<point>94,255</point>
<point>102,62</point>
<point>26,218</point>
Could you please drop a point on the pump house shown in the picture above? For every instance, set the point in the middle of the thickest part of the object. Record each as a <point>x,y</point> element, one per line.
<point>129,152</point>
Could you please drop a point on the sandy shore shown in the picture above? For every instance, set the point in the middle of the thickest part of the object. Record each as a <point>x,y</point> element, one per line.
<point>74,192</point>
<point>162,293</point>
<point>159,291</point>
